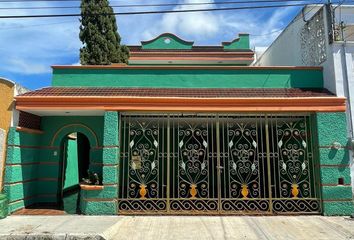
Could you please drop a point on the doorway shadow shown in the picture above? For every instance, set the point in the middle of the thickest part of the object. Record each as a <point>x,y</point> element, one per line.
<point>74,165</point>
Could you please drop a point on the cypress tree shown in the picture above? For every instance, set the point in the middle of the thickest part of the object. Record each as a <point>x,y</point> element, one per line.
<point>99,35</point>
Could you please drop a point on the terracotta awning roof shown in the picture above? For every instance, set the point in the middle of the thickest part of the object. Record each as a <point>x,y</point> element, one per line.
<point>178,99</point>
<point>180,92</point>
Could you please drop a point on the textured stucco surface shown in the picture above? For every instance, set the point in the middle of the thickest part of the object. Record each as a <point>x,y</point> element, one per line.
<point>110,174</point>
<point>332,127</point>
<point>330,175</point>
<point>29,189</point>
<point>24,155</point>
<point>17,155</point>
<point>110,155</point>
<point>22,138</point>
<point>110,170</point>
<point>110,128</point>
<point>37,158</point>
<point>99,207</point>
<point>338,208</point>
<point>334,156</point>
<point>19,173</point>
<point>336,192</point>
<point>7,91</point>
<point>20,190</point>
<point>6,100</point>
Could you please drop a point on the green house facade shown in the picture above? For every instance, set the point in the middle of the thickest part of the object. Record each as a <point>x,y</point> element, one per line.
<point>182,129</point>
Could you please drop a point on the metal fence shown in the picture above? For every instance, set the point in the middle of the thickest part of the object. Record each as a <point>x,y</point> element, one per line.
<point>217,164</point>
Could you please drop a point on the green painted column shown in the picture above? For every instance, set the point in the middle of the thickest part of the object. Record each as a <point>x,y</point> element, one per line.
<point>98,202</point>
<point>334,164</point>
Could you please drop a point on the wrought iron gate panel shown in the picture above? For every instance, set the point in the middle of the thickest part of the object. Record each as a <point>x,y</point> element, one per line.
<point>244,186</point>
<point>292,165</point>
<point>217,164</point>
<point>193,165</point>
<point>143,158</point>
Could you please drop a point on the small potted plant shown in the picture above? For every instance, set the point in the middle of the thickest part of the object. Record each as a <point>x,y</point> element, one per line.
<point>92,182</point>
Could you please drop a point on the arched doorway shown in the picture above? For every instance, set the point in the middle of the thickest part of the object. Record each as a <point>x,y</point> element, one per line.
<point>74,165</point>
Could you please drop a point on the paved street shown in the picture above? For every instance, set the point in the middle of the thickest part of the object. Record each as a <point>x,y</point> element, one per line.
<point>176,227</point>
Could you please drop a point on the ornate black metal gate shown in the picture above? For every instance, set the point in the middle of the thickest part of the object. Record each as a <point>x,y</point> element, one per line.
<point>217,164</point>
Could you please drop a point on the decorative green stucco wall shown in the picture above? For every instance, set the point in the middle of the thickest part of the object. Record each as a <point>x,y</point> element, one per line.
<point>28,182</point>
<point>197,78</point>
<point>28,177</point>
<point>242,42</point>
<point>166,41</point>
<point>104,202</point>
<point>33,160</point>
<point>334,164</point>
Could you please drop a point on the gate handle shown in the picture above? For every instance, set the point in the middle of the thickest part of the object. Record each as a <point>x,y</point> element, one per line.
<point>219,167</point>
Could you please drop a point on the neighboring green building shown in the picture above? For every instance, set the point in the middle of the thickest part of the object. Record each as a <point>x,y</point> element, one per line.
<point>182,129</point>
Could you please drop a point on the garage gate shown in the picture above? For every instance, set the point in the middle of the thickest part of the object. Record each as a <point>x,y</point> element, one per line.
<point>217,164</point>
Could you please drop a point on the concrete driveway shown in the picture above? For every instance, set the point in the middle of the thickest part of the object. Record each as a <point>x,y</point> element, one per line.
<point>176,227</point>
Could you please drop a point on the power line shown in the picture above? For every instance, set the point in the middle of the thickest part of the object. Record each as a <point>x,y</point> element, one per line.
<point>256,35</point>
<point>29,1</point>
<point>155,5</point>
<point>15,1</point>
<point>342,2</point>
<point>37,25</point>
<point>152,12</point>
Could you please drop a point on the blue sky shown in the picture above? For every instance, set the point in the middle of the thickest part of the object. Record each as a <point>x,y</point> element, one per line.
<point>28,47</point>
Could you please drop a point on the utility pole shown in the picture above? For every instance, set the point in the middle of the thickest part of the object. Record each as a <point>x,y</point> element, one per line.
<point>330,21</point>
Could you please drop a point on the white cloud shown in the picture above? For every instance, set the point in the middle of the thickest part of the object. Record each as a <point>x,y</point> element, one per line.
<point>263,29</point>
<point>43,45</point>
<point>32,45</point>
<point>21,66</point>
<point>194,25</point>
<point>215,27</point>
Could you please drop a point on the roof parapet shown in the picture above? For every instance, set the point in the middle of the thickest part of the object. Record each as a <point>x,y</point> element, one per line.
<point>242,42</point>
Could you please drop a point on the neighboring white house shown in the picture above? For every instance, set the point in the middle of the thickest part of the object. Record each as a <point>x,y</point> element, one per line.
<point>320,35</point>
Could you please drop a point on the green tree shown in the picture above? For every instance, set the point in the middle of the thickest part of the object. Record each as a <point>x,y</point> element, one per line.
<point>99,35</point>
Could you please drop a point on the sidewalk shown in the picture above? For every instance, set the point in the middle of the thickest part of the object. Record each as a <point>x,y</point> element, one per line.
<point>176,227</point>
